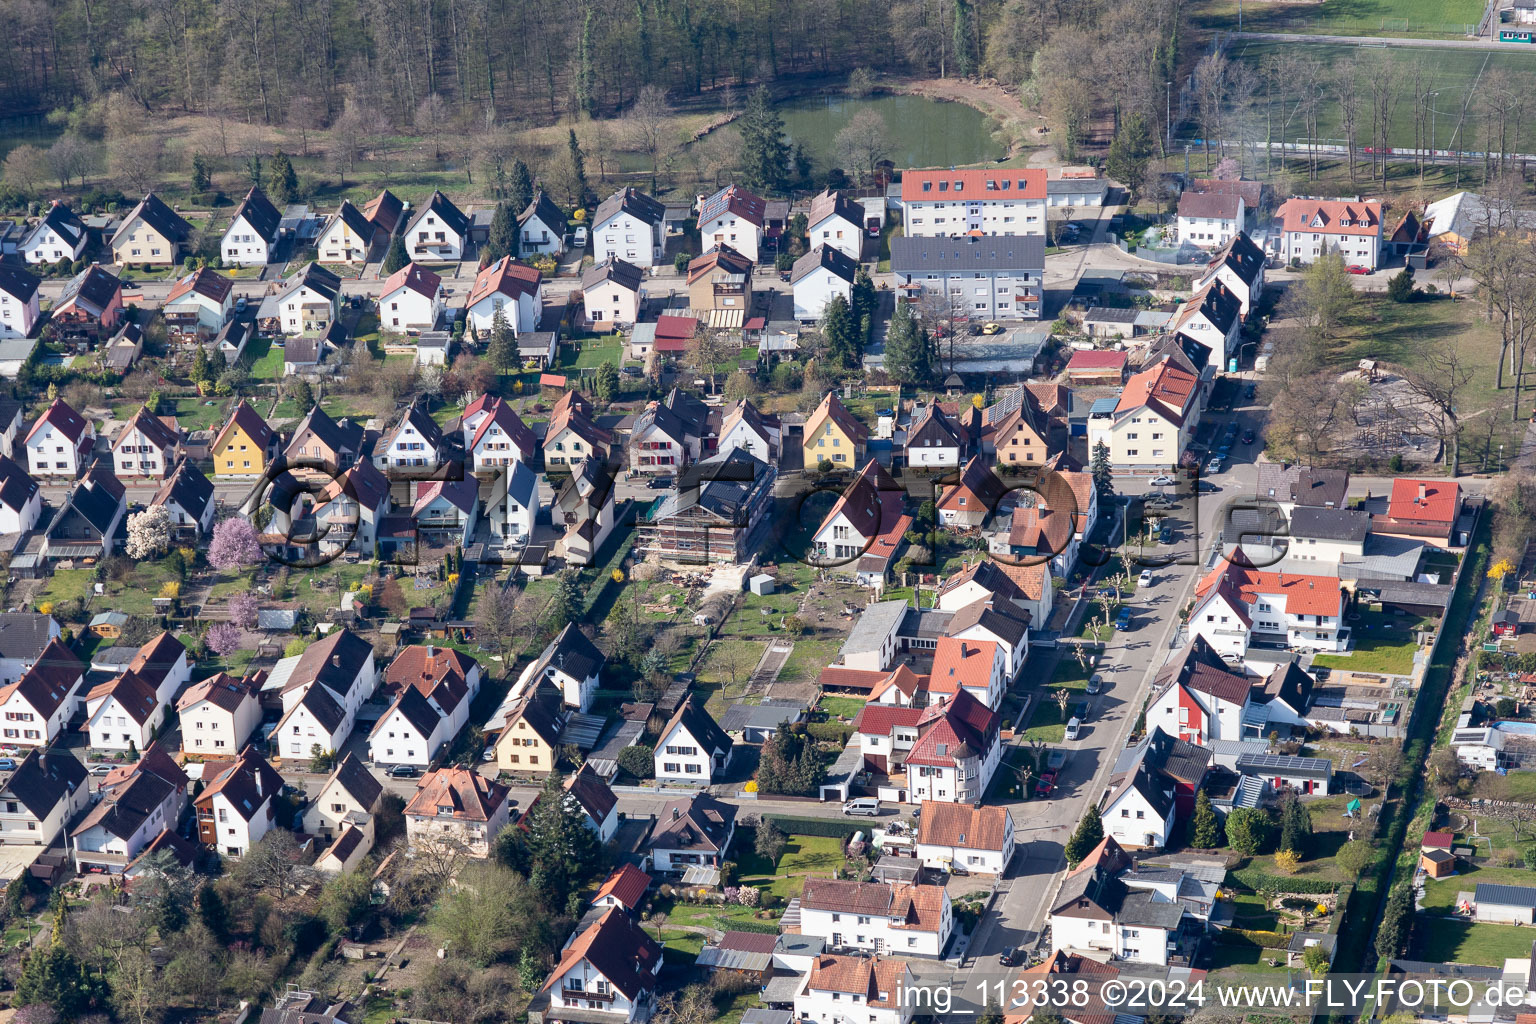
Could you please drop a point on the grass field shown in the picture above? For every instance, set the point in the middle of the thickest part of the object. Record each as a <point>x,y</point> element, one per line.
<point>1451,72</point>
<point>1383,643</point>
<point>1437,940</point>
<point>1411,18</point>
<point>1440,894</point>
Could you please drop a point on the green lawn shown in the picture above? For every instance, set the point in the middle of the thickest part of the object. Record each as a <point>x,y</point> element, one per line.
<point>1241,959</point>
<point>1442,941</point>
<point>1413,18</point>
<point>846,707</point>
<point>1045,723</point>
<point>266,359</point>
<point>802,856</point>
<point>808,659</point>
<point>681,947</point>
<point>590,353</point>
<point>721,916</point>
<point>1382,643</point>
<point>1440,894</point>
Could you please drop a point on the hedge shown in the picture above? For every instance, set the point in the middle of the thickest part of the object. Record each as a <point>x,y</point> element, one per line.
<point>754,926</point>
<point>831,732</point>
<point>829,828</point>
<point>1251,937</point>
<point>1255,879</point>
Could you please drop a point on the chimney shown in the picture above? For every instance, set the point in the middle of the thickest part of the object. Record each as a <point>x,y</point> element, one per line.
<point>676,814</point>
<point>1422,489</point>
<point>430,652</point>
<point>336,660</point>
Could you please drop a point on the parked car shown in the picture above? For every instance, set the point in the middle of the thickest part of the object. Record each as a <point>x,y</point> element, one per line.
<point>7,764</point>
<point>1215,465</point>
<point>1047,781</point>
<point>404,771</point>
<point>579,236</point>
<point>1248,436</point>
<point>1161,481</point>
<point>1123,620</point>
<point>97,769</point>
<point>990,328</point>
<point>865,806</point>
<point>659,483</point>
<point>1355,268</point>
<point>1165,535</point>
<point>1013,956</point>
<point>1145,579</point>
<point>1095,683</point>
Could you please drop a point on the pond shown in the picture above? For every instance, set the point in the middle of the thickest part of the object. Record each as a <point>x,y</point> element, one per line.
<point>921,132</point>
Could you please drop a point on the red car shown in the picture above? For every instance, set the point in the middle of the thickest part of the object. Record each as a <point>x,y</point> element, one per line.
<point>1355,268</point>
<point>1046,784</point>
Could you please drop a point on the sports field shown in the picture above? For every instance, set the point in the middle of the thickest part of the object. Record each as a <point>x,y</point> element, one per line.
<point>1454,74</point>
<point>1422,19</point>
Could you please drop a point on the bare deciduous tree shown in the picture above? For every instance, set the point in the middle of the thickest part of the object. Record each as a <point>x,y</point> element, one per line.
<point>861,144</point>
<point>647,125</point>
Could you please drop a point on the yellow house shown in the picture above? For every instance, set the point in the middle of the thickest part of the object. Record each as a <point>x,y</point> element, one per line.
<point>152,233</point>
<point>834,434</point>
<point>528,742</point>
<point>244,445</point>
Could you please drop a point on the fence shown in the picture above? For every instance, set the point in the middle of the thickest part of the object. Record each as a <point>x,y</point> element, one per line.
<point>1185,256</point>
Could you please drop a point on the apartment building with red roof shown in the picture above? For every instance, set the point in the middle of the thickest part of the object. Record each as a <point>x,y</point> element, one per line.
<point>1235,606</point>
<point>1308,228</point>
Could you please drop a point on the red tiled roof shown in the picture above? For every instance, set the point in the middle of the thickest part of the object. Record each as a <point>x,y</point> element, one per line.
<point>1304,595</point>
<point>627,885</point>
<point>1329,216</point>
<point>958,663</point>
<point>1438,840</point>
<point>850,678</point>
<point>1022,184</point>
<point>676,327</point>
<point>1435,501</point>
<point>880,719</point>
<point>1164,387</point>
<point>507,277</point>
<point>1096,359</point>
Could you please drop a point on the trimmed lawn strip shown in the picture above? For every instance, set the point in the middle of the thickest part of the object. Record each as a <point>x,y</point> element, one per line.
<point>1443,941</point>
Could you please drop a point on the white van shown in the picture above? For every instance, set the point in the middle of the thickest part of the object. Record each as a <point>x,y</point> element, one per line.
<point>865,805</point>
<point>1072,728</point>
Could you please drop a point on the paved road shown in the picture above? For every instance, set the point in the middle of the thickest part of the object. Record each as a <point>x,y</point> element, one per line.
<point>1422,44</point>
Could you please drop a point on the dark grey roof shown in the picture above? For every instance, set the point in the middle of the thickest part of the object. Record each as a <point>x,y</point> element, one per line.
<point>633,202</point>
<point>838,262</point>
<point>17,283</point>
<point>343,436</point>
<point>546,211</point>
<point>1504,895</point>
<point>188,487</point>
<point>572,653</point>
<point>16,486</point>
<point>720,484</point>
<point>700,822</point>
<point>62,220</point>
<point>1301,940</point>
<point>444,208</point>
<point>1074,186</point>
<point>314,276</point>
<point>357,780</point>
<point>1284,765</point>
<point>767,715</point>
<point>1245,258</point>
<point>355,219</point>
<point>622,273</point>
<point>41,781</point>
<point>967,253</point>
<point>1330,523</point>
<point>692,717</point>
<point>874,624</point>
<point>1111,315</point>
<point>1221,307</point>
<point>96,499</point>
<point>93,289</point>
<point>1145,910</point>
<point>1302,485</point>
<point>259,213</point>
<point>158,216</point>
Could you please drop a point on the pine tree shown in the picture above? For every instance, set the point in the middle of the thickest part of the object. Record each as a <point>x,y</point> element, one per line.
<point>1088,834</point>
<point>605,382</point>
<point>520,191</point>
<point>1103,478</point>
<point>579,164</point>
<point>395,258</point>
<point>501,238</point>
<point>1206,829</point>
<point>586,76</point>
<point>837,328</point>
<point>1396,923</point>
<point>764,153</point>
<point>200,369</point>
<point>283,183</point>
<point>559,841</point>
<point>965,63</point>
<point>501,350</point>
<point>906,349</point>
<point>201,178</point>
<point>569,602</point>
<point>1130,153</point>
<point>1295,826</point>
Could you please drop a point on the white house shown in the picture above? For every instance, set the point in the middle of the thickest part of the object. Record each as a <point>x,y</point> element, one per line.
<point>165,664</point>
<point>1503,904</point>
<point>691,747</point>
<point>839,989</point>
<point>415,442</point>
<point>411,300</point>
<point>734,217</point>
<point>877,917</point>
<point>495,436</point>
<point>218,715</point>
<point>1102,909</point>
<point>1238,267</point>
<point>1026,587</point>
<point>941,202</point>
<point>457,808</point>
<point>995,621</point>
<point>199,303</point>
<point>945,752</point>
<point>448,509</point>
<point>1209,220</point>
<point>512,287</point>
<point>598,805</point>
<point>21,500</point>
<point>41,797</point>
<point>1213,318</point>
<point>24,638</point>
<point>989,278</point>
<point>438,231</point>
<point>239,804</point>
<point>571,663</point>
<point>514,503</point>
<point>978,667</point>
<point>35,708</point>
<point>836,221</point>
<point>1152,788</point>
<point>870,505</point>
<point>349,236</point>
<point>606,975</point>
<point>978,839</point>
<point>19,307</point>
<point>434,688</point>
<point>934,440</point>
<point>696,831</point>
<point>351,790</point>
<point>187,495</point>
<point>252,231</point>
<point>60,442</point>
<point>352,506</point>
<point>541,227</point>
<point>59,235</point>
<point>743,426</point>
<point>321,691</point>
<point>1311,227</point>
<point>819,275</point>
<point>1197,697</point>
<point>306,303</point>
<point>613,291</point>
<point>123,714</point>
<point>1153,419</point>
<point>1235,606</point>
<point>629,225</point>
<point>131,812</point>
<point>145,446</point>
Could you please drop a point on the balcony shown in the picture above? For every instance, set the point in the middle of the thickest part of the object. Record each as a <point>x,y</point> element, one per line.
<point>576,993</point>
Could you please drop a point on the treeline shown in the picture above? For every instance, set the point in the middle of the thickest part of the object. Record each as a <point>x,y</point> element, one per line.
<point>482,62</point>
